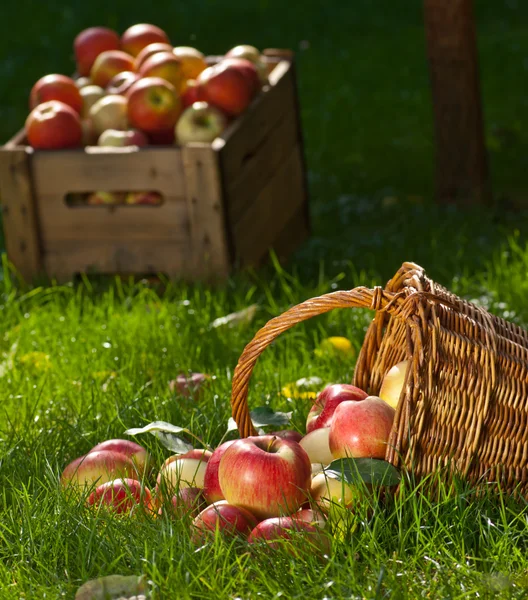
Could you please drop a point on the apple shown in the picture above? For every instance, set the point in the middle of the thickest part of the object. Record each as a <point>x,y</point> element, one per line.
<point>279,532</point>
<point>98,467</point>
<point>313,516</point>
<point>101,197</point>
<point>90,43</point>
<point>361,428</point>
<point>193,93</point>
<point>183,470</point>
<point>56,87</point>
<point>149,51</point>
<point>164,65</point>
<point>89,96</point>
<point>200,122</point>
<point>326,491</point>
<point>247,69</point>
<point>224,518</point>
<point>162,138</point>
<point>137,37</point>
<point>137,453</point>
<point>267,475</point>
<point>244,51</point>
<point>187,501</point>
<point>189,385</point>
<point>392,384</point>
<point>192,60</point>
<point>110,112</point>
<point>317,446</point>
<point>81,82</point>
<point>121,496</point>
<point>288,434</point>
<point>322,411</point>
<point>117,138</point>
<point>108,64</point>
<point>89,137</point>
<point>150,198</point>
<point>54,125</point>
<point>120,82</point>
<point>226,87</point>
<point>212,490</point>
<point>153,105</point>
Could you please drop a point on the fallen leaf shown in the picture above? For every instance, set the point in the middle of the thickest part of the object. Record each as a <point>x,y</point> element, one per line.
<point>262,416</point>
<point>166,434</point>
<point>242,317</point>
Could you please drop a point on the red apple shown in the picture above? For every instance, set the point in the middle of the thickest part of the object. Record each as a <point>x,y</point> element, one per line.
<point>119,138</point>
<point>90,43</point>
<point>187,501</point>
<point>247,69</point>
<point>227,88</point>
<point>161,138</point>
<point>212,490</point>
<point>137,453</point>
<point>322,411</point>
<point>183,470</point>
<point>56,87</point>
<point>98,467</point>
<point>313,516</point>
<point>110,112</point>
<point>189,385</point>
<point>54,125</point>
<point>193,93</point>
<point>121,496</point>
<point>288,434</point>
<point>90,94</point>
<point>150,198</point>
<point>224,518</point>
<point>200,122</point>
<point>102,197</point>
<point>153,105</point>
<point>265,474</point>
<point>164,65</point>
<point>120,83</point>
<point>317,446</point>
<point>279,532</point>
<point>193,62</point>
<point>108,64</point>
<point>150,50</point>
<point>361,428</point>
<point>137,37</point>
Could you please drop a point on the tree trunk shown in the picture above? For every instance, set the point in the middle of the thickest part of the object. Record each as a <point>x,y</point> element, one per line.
<point>462,173</point>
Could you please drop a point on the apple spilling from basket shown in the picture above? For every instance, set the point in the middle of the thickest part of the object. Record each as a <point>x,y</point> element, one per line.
<point>138,89</point>
<point>264,488</point>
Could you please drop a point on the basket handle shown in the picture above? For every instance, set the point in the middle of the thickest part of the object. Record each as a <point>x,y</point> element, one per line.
<point>361,297</point>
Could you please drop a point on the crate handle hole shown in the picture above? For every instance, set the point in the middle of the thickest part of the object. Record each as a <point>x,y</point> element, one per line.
<point>151,198</point>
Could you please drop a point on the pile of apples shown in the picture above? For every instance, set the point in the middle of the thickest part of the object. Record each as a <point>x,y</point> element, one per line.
<point>262,488</point>
<point>137,90</point>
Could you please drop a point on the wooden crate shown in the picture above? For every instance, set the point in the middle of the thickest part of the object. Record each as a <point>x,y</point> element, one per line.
<point>225,204</point>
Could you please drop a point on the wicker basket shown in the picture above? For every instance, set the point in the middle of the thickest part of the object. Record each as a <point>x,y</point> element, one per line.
<point>464,404</point>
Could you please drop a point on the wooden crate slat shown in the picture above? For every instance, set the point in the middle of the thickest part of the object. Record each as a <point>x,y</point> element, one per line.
<point>274,206</point>
<point>20,220</point>
<point>293,234</point>
<point>62,171</point>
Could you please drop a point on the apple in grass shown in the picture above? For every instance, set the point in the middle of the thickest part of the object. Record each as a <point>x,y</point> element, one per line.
<point>108,64</point>
<point>120,138</point>
<point>392,384</point>
<point>183,470</point>
<point>149,51</point>
<point>164,65</point>
<point>98,467</point>
<point>265,474</point>
<point>153,106</point>
<point>326,491</point>
<point>317,446</point>
<point>224,519</point>
<point>53,125</point>
<point>110,112</point>
<point>90,94</point>
<point>187,501</point>
<point>212,490</point>
<point>138,36</point>
<point>56,87</point>
<point>227,88</point>
<point>200,122</point>
<point>120,82</point>
<point>136,452</point>
<point>122,496</point>
<point>323,409</point>
<point>91,42</point>
<point>280,532</point>
<point>361,429</point>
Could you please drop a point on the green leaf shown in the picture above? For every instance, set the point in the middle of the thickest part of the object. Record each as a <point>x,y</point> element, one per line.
<point>113,587</point>
<point>262,416</point>
<point>172,442</point>
<point>369,470</point>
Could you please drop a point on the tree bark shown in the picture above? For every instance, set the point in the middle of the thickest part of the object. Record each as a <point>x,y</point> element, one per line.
<point>461,170</point>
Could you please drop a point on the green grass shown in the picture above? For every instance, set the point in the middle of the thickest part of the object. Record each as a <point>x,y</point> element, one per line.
<point>79,364</point>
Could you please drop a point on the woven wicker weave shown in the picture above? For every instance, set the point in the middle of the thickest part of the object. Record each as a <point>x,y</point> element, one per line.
<point>464,405</point>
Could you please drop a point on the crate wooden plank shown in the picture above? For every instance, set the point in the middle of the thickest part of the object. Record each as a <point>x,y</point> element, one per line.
<point>242,140</point>
<point>260,167</point>
<point>294,233</point>
<point>20,220</point>
<point>210,252</point>
<point>61,171</point>
<point>274,206</point>
<point>142,257</point>
<point>62,223</point>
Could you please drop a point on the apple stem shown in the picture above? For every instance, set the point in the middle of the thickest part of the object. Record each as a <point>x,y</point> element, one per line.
<point>272,441</point>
